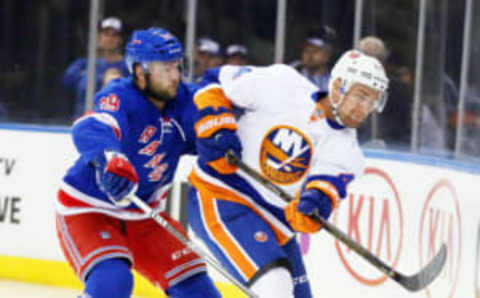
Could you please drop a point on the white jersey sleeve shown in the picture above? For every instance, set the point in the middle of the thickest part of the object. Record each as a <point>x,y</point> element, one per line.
<point>238,84</point>
<point>338,154</point>
<point>253,88</point>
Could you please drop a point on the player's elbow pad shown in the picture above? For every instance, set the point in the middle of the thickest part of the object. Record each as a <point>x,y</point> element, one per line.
<point>92,137</point>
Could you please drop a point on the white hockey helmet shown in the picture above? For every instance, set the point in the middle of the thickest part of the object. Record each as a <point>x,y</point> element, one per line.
<point>355,67</point>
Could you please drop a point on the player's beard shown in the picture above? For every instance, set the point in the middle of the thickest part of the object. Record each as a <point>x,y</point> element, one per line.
<point>160,94</point>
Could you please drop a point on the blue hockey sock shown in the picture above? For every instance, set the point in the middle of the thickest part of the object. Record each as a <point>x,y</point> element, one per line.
<point>197,286</point>
<point>110,278</point>
<point>300,280</point>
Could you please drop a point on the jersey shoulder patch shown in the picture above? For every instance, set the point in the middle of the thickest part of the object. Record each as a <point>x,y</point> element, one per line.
<point>110,103</point>
<point>113,97</point>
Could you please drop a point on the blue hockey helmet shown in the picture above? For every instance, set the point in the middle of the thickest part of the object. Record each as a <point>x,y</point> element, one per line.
<point>154,44</point>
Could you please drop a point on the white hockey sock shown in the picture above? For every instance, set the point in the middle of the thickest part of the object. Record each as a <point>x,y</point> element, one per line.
<point>276,282</point>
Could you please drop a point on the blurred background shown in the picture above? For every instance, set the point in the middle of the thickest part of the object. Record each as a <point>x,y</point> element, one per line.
<point>55,53</point>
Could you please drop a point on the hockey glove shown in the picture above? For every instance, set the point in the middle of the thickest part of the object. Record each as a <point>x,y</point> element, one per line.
<point>299,221</point>
<point>310,201</point>
<point>314,200</point>
<point>212,150</point>
<point>116,176</point>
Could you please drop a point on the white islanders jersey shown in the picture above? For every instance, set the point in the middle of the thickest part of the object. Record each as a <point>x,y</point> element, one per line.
<point>285,136</point>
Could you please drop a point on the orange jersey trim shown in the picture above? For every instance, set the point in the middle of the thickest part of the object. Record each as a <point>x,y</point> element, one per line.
<point>219,193</point>
<point>327,188</point>
<point>319,112</point>
<point>221,235</point>
<point>210,124</point>
<point>211,96</point>
<point>222,166</point>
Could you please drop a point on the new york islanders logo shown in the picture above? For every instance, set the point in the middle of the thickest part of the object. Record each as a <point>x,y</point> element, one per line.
<point>285,154</point>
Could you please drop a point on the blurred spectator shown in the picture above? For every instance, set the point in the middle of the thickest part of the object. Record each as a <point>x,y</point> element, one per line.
<point>395,122</point>
<point>110,63</point>
<point>315,57</point>
<point>405,75</point>
<point>236,54</point>
<point>208,55</point>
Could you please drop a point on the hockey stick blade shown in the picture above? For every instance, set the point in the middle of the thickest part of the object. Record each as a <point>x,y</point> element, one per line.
<point>427,275</point>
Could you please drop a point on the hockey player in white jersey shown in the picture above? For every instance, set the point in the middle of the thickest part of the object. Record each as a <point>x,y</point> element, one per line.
<point>301,140</point>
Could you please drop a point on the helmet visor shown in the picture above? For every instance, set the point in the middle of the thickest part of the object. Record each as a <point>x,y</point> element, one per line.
<point>159,67</point>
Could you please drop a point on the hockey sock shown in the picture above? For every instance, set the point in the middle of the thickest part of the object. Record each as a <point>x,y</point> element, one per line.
<point>300,279</point>
<point>197,286</point>
<point>110,278</point>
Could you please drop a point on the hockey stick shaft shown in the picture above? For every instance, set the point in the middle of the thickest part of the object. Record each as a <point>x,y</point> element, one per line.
<point>188,243</point>
<point>412,283</point>
<point>325,224</point>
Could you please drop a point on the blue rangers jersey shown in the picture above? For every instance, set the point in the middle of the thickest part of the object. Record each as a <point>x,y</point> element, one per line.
<point>125,120</point>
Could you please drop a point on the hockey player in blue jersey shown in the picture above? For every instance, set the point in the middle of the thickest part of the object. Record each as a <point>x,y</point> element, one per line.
<point>132,142</point>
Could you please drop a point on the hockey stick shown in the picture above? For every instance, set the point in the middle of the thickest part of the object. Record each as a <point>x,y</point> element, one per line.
<point>412,283</point>
<point>210,260</point>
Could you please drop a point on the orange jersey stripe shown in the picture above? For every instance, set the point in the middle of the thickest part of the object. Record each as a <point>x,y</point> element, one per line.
<point>221,236</point>
<point>222,166</point>
<point>204,187</point>
<point>211,96</point>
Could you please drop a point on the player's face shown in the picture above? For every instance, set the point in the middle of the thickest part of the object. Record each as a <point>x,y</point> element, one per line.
<point>357,105</point>
<point>164,79</point>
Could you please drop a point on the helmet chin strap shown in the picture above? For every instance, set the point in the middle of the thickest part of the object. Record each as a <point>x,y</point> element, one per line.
<point>335,106</point>
<point>336,115</point>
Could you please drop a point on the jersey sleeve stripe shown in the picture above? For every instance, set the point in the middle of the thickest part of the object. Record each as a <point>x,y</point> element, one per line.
<point>210,124</point>
<point>103,118</point>
<point>211,96</point>
<point>327,188</point>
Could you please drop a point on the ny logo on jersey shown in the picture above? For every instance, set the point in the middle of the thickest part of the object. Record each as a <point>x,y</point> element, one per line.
<point>285,154</point>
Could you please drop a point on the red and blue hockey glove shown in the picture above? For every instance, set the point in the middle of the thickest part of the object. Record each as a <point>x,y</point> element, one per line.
<point>116,176</point>
<point>212,150</point>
